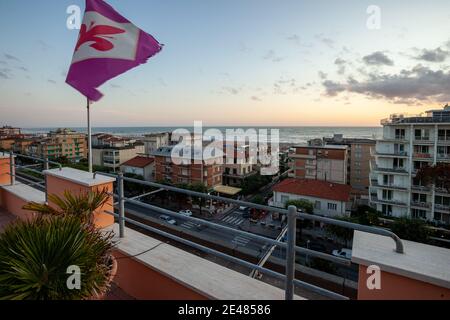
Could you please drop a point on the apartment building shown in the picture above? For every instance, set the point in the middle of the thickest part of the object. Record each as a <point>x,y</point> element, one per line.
<point>327,163</point>
<point>408,144</point>
<point>154,141</point>
<point>7,131</point>
<point>207,172</point>
<point>59,143</point>
<point>142,166</point>
<point>239,166</point>
<point>360,155</point>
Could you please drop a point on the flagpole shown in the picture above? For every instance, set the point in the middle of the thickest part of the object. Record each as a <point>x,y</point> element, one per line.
<point>89,135</point>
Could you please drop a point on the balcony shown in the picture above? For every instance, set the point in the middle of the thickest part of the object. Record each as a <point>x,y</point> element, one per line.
<point>374,198</point>
<point>151,268</point>
<point>419,204</point>
<point>442,208</point>
<point>443,157</point>
<point>400,170</point>
<point>422,156</point>
<point>374,183</point>
<point>444,140</point>
<point>393,154</point>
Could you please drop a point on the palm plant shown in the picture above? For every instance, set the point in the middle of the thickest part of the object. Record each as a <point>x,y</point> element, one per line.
<point>35,256</point>
<point>82,205</point>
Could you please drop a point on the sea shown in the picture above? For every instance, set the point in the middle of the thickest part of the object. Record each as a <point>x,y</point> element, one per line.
<point>288,135</point>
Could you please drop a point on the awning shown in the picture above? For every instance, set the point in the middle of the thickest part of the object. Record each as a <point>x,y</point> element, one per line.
<point>231,191</point>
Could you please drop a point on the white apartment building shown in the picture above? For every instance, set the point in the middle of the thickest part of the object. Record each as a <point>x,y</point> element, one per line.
<point>154,141</point>
<point>409,143</point>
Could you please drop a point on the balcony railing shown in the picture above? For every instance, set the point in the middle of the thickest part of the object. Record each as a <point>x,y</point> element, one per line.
<point>394,169</point>
<point>420,204</point>
<point>291,213</point>
<point>420,155</point>
<point>392,154</point>
<point>387,185</point>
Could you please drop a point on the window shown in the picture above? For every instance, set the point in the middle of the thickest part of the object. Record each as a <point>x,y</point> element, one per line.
<point>419,214</point>
<point>284,199</point>
<point>387,194</point>
<point>386,210</point>
<point>399,133</point>
<point>332,206</point>
<point>388,180</point>
<point>317,205</point>
<point>419,197</point>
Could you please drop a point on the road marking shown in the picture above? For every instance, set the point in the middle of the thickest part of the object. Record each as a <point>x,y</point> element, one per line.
<point>226,219</point>
<point>239,240</point>
<point>187,225</point>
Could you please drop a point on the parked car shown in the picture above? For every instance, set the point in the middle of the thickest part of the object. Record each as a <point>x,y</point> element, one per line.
<point>343,253</point>
<point>168,219</point>
<point>187,213</point>
<point>244,209</point>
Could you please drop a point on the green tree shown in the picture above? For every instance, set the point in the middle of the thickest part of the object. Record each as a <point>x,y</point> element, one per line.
<point>411,229</point>
<point>305,205</point>
<point>258,199</point>
<point>200,201</point>
<point>367,215</point>
<point>343,233</point>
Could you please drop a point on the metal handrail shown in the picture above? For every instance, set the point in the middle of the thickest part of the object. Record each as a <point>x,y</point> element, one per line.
<point>345,224</point>
<point>299,283</point>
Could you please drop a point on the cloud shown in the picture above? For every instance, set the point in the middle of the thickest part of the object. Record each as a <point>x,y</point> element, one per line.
<point>43,45</point>
<point>23,69</point>
<point>2,62</point>
<point>378,58</point>
<point>322,75</point>
<point>327,41</point>
<point>11,57</point>
<point>415,86</point>
<point>231,90</point>
<point>51,81</point>
<point>115,86</point>
<point>272,56</point>
<point>342,65</point>
<point>5,73</point>
<point>436,55</point>
<point>255,98</point>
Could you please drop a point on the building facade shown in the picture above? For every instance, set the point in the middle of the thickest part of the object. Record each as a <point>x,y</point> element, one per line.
<point>239,166</point>
<point>196,170</point>
<point>154,141</point>
<point>7,131</point>
<point>141,166</point>
<point>408,144</point>
<point>60,143</point>
<point>360,155</point>
<point>327,163</point>
<point>329,199</point>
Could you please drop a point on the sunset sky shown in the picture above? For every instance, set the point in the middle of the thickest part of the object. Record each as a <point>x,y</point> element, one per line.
<point>235,62</point>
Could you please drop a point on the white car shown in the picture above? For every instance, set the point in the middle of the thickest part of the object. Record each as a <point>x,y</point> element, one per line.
<point>343,253</point>
<point>187,213</point>
<point>168,219</point>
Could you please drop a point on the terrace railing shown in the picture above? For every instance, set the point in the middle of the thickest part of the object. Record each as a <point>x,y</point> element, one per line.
<point>292,214</point>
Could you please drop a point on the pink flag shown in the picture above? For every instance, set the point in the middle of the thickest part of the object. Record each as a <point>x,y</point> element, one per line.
<point>108,45</point>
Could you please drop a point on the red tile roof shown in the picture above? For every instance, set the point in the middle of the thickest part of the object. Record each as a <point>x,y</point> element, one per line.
<point>315,188</point>
<point>139,162</point>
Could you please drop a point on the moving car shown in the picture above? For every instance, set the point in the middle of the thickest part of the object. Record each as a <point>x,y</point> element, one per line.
<point>343,253</point>
<point>168,219</point>
<point>187,213</point>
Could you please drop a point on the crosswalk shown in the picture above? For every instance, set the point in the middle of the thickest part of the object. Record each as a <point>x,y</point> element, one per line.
<point>240,240</point>
<point>188,225</point>
<point>233,220</point>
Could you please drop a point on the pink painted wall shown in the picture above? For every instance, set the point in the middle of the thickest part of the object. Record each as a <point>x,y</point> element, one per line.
<point>5,178</point>
<point>396,287</point>
<point>14,204</point>
<point>144,283</point>
<point>57,186</point>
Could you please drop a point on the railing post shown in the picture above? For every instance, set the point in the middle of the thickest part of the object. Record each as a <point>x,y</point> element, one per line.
<point>12,168</point>
<point>290,252</point>
<point>121,192</point>
<point>46,167</point>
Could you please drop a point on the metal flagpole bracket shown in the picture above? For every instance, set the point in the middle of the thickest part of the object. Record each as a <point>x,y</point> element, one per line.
<point>89,135</point>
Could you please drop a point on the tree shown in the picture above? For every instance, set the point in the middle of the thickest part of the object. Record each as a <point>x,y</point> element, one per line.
<point>343,233</point>
<point>411,229</point>
<point>258,199</point>
<point>305,205</point>
<point>200,201</point>
<point>366,215</point>
<point>253,183</point>
<point>439,175</point>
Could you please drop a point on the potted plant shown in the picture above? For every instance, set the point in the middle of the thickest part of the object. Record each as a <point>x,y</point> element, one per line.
<point>39,256</point>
